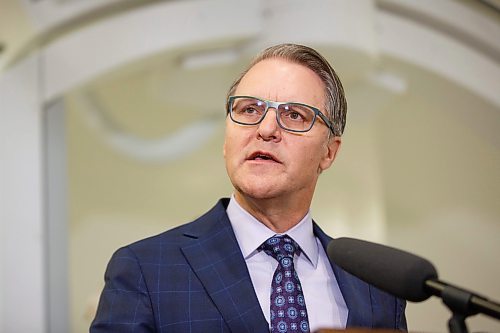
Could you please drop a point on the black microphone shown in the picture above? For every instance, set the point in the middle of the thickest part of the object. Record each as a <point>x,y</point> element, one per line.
<point>404,275</point>
<point>397,272</point>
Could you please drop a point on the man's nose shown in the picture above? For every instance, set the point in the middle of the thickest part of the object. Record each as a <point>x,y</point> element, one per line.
<point>268,128</point>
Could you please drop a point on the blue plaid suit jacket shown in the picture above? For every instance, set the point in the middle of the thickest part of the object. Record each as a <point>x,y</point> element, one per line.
<point>194,279</point>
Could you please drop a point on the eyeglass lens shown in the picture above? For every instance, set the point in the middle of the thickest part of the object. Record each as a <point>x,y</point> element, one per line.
<point>292,116</point>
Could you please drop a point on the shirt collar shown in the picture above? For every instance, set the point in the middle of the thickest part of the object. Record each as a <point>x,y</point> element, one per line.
<point>251,233</point>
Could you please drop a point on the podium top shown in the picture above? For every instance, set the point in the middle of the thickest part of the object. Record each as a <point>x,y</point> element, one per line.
<point>357,330</point>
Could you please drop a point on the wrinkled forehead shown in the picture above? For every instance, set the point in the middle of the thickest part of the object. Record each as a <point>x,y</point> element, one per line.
<point>281,80</point>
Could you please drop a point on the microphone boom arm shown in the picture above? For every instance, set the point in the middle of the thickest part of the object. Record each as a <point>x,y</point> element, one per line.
<point>462,304</point>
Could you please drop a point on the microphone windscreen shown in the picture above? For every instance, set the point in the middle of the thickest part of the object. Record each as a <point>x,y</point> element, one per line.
<point>397,272</point>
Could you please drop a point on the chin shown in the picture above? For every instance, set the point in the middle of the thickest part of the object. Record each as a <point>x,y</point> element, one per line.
<point>260,194</point>
<point>259,188</point>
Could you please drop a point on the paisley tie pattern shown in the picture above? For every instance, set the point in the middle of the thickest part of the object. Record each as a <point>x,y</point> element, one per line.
<point>288,308</point>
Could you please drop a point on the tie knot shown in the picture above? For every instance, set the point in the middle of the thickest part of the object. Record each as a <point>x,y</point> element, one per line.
<point>280,246</point>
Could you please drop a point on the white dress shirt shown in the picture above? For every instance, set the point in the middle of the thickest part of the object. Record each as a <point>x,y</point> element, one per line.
<point>325,304</point>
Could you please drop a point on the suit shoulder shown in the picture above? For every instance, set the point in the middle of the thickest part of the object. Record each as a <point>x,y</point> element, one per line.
<point>181,235</point>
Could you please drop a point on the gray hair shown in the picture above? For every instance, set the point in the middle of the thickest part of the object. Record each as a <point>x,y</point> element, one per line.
<point>336,104</point>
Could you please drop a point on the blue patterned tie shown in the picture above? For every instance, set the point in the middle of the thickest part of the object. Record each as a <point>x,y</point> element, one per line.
<point>288,308</point>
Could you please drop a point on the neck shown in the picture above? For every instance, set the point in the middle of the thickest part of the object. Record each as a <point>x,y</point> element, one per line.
<point>278,214</point>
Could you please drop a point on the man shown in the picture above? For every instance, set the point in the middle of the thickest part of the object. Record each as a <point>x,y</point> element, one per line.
<point>255,262</point>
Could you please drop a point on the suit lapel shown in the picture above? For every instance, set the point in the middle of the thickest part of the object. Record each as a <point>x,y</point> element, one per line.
<point>217,261</point>
<point>356,293</point>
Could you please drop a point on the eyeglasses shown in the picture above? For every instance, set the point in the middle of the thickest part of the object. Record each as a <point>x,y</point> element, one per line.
<point>291,116</point>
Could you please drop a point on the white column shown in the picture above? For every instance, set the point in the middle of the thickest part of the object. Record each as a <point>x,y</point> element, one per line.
<point>22,306</point>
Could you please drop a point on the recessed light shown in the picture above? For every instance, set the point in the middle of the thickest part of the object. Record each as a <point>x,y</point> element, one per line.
<point>209,58</point>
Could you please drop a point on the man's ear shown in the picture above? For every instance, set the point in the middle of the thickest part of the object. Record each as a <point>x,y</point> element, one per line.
<point>332,148</point>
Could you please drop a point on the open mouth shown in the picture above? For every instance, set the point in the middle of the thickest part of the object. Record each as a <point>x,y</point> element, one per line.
<point>263,156</point>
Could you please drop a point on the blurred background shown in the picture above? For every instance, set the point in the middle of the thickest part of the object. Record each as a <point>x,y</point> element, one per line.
<point>112,121</point>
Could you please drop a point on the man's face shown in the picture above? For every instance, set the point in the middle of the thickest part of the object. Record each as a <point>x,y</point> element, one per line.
<point>265,161</point>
